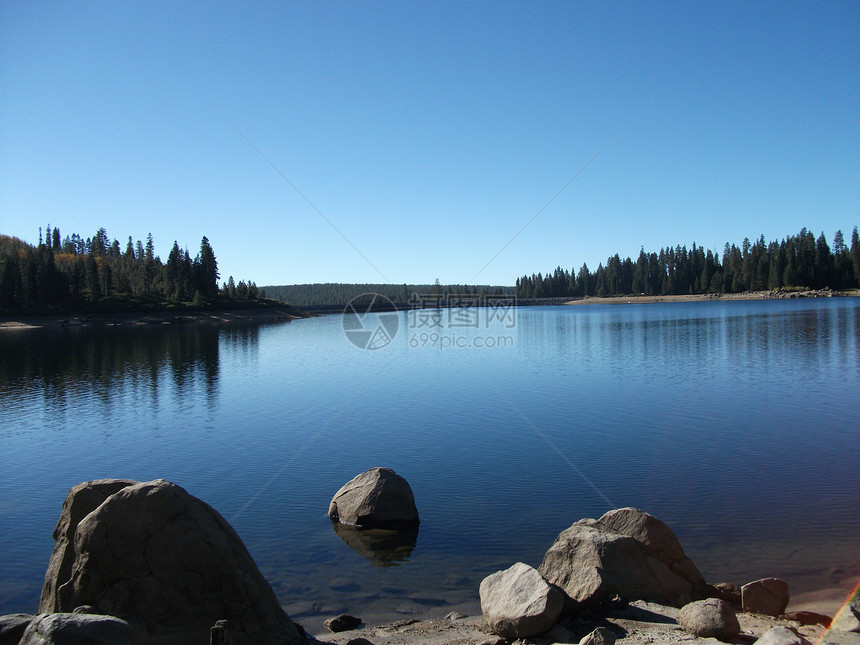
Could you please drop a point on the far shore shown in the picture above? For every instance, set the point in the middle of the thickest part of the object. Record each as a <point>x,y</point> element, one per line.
<point>778,294</point>
<point>154,318</point>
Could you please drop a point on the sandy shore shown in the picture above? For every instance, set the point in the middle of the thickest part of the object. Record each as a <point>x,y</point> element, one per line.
<point>716,297</point>
<point>636,623</point>
<point>215,316</point>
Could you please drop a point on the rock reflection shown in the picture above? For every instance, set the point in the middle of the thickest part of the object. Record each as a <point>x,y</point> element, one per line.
<point>385,548</point>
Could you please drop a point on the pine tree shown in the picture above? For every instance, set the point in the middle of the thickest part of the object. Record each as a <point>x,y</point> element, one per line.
<point>855,256</point>
<point>208,270</point>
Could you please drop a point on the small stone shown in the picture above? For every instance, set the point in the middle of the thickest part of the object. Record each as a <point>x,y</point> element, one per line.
<point>711,617</point>
<point>600,636</point>
<point>767,596</point>
<point>342,623</point>
<point>456,615</point>
<point>782,636</point>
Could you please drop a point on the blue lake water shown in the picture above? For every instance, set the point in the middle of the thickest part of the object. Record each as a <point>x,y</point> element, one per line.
<point>734,422</point>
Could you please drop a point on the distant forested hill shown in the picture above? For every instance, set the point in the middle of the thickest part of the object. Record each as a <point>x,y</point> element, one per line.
<point>308,295</point>
<point>799,261</point>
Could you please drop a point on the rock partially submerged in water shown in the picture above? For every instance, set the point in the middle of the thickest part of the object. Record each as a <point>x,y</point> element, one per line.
<point>377,498</point>
<point>628,553</point>
<point>156,556</point>
<point>518,602</point>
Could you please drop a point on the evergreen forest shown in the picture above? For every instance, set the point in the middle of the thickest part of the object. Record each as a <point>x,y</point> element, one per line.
<point>96,274</point>
<point>798,262</point>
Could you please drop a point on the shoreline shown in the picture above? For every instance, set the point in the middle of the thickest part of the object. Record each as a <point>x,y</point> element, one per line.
<point>636,622</point>
<point>154,318</point>
<point>778,294</point>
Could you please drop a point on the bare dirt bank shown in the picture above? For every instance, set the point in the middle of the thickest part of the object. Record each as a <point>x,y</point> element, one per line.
<point>778,294</point>
<point>139,319</point>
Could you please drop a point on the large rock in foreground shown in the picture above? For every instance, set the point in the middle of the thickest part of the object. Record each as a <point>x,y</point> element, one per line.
<point>518,602</point>
<point>626,552</point>
<point>80,501</point>
<point>377,498</point>
<point>155,556</point>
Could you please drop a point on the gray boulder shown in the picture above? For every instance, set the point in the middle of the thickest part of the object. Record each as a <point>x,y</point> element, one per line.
<point>81,500</point>
<point>659,541</point>
<point>518,602</point>
<point>12,627</point>
<point>848,618</point>
<point>766,596</point>
<point>626,552</point>
<point>79,629</point>
<point>156,556</point>
<point>377,498</point>
<point>709,618</point>
<point>600,636</point>
<point>781,636</point>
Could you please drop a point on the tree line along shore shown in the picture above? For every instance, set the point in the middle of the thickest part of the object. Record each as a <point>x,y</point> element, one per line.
<point>797,263</point>
<point>96,276</point>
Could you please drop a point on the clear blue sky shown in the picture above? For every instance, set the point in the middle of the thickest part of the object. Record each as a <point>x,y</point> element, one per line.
<point>429,134</point>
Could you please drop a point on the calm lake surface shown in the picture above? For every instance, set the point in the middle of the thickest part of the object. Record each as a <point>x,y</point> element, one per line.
<point>734,422</point>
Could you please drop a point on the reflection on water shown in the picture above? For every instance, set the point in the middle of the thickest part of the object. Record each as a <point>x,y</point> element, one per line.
<point>381,546</point>
<point>736,423</point>
<point>56,363</point>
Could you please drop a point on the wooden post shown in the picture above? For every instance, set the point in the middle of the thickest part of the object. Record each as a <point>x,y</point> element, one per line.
<point>219,635</point>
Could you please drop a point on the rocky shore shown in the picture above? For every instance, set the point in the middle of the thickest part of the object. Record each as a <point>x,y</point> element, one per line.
<point>776,294</point>
<point>141,319</point>
<point>146,563</point>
